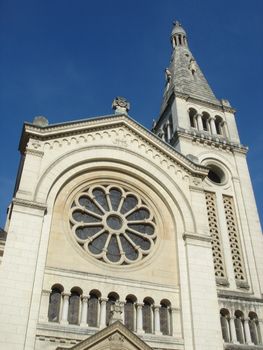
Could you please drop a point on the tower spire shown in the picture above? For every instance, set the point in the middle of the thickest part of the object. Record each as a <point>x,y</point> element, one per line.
<point>185,76</point>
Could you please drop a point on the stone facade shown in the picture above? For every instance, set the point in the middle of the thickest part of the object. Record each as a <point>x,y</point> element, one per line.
<point>111,222</point>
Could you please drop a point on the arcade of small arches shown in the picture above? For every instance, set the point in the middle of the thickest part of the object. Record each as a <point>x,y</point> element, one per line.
<point>179,40</point>
<point>94,310</point>
<point>238,329</point>
<point>214,125</point>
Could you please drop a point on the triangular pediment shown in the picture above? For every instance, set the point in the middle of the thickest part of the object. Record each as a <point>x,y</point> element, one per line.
<point>108,126</point>
<point>114,337</point>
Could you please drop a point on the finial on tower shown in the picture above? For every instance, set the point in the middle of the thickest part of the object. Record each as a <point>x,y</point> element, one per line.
<point>120,105</point>
<point>177,23</point>
<point>178,36</point>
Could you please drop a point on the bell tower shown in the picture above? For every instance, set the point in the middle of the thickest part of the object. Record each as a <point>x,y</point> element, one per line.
<point>203,128</point>
<point>190,111</point>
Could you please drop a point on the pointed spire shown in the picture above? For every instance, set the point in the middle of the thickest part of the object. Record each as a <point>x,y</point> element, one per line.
<point>184,75</point>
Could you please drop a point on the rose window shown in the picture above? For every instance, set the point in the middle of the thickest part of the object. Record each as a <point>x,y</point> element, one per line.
<point>113,224</point>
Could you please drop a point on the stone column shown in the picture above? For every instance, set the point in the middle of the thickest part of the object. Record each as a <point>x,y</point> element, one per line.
<point>157,329</point>
<point>233,330</point>
<point>212,125</point>
<point>103,302</point>
<point>84,311</point>
<point>176,322</point>
<point>199,121</point>
<point>64,317</point>
<point>139,319</point>
<point>247,332</point>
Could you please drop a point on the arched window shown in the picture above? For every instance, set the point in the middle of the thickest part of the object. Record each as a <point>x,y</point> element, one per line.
<point>224,320</point>
<point>239,325</point>
<point>218,125</point>
<point>112,298</point>
<point>205,121</point>
<point>147,315</point>
<point>192,117</point>
<point>254,328</point>
<point>165,317</point>
<point>54,303</point>
<point>180,40</point>
<point>93,308</point>
<point>129,312</point>
<point>74,306</point>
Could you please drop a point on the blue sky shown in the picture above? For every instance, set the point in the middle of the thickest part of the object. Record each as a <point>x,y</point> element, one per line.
<point>68,59</point>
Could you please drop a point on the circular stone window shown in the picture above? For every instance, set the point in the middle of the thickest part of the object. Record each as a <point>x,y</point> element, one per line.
<point>113,224</point>
<point>216,174</point>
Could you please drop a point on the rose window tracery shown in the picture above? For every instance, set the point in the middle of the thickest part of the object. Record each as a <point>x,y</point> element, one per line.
<point>113,224</point>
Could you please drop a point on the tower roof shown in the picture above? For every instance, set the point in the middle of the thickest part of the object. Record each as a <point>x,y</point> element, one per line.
<point>185,76</point>
<point>178,29</point>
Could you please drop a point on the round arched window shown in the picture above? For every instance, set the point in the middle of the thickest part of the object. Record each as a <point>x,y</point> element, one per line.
<point>216,174</point>
<point>113,224</point>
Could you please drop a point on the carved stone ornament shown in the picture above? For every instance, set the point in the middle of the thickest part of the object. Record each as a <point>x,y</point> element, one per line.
<point>121,105</point>
<point>116,342</point>
<point>115,312</point>
<point>40,120</point>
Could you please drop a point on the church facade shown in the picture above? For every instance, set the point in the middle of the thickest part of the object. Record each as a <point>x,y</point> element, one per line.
<point>119,237</point>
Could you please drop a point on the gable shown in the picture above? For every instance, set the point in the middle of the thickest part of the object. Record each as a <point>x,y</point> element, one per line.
<point>114,337</point>
<point>117,131</point>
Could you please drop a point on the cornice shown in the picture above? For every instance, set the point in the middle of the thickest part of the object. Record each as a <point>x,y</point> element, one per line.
<point>108,122</point>
<point>242,347</point>
<point>218,106</point>
<point>238,296</point>
<point>196,237</point>
<point>29,204</point>
<point>209,140</point>
<point>115,280</point>
<point>34,152</point>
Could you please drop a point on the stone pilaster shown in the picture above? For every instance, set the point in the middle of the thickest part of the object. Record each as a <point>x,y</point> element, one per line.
<point>43,314</point>
<point>176,323</point>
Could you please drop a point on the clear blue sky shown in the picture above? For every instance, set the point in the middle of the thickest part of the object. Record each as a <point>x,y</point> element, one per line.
<point>69,59</point>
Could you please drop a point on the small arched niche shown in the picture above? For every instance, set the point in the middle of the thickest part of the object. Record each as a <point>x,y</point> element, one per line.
<point>205,121</point>
<point>55,303</point>
<point>192,117</point>
<point>93,307</point>
<point>224,320</point>
<point>129,312</point>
